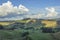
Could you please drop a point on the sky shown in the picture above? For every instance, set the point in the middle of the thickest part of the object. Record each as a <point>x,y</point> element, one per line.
<point>20,9</point>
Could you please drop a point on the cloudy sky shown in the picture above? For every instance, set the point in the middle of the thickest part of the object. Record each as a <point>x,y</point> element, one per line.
<point>19,9</point>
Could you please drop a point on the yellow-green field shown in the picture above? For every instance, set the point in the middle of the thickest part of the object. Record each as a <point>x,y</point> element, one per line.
<point>6,23</point>
<point>49,23</point>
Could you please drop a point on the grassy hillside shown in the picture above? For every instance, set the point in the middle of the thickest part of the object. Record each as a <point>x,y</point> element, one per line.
<point>20,25</point>
<point>16,35</point>
<point>11,22</point>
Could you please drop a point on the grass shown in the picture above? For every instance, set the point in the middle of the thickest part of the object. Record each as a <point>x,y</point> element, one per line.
<point>10,35</point>
<point>23,21</point>
<point>41,36</point>
<point>5,23</point>
<point>16,35</point>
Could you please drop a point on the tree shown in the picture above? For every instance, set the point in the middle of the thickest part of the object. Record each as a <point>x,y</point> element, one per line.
<point>1,27</point>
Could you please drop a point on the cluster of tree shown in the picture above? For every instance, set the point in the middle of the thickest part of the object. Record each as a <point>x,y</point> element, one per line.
<point>21,26</point>
<point>1,27</point>
<point>45,30</point>
<point>25,36</point>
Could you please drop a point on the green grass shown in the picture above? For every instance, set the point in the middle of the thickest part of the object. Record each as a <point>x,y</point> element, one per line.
<point>23,21</point>
<point>41,36</point>
<point>16,35</point>
<point>10,35</point>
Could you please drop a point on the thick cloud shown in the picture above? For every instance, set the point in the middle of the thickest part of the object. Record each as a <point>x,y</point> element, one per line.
<point>51,12</point>
<point>8,8</point>
<point>10,12</point>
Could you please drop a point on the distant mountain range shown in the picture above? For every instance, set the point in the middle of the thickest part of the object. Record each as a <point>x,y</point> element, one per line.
<point>57,19</point>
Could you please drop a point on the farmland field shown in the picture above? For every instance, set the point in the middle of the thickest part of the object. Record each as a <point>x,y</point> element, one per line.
<point>6,23</point>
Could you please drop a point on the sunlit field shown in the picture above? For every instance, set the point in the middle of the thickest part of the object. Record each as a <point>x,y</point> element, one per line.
<point>50,23</point>
<point>6,23</point>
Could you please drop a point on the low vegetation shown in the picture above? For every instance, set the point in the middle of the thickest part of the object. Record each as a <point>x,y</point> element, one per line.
<point>21,30</point>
